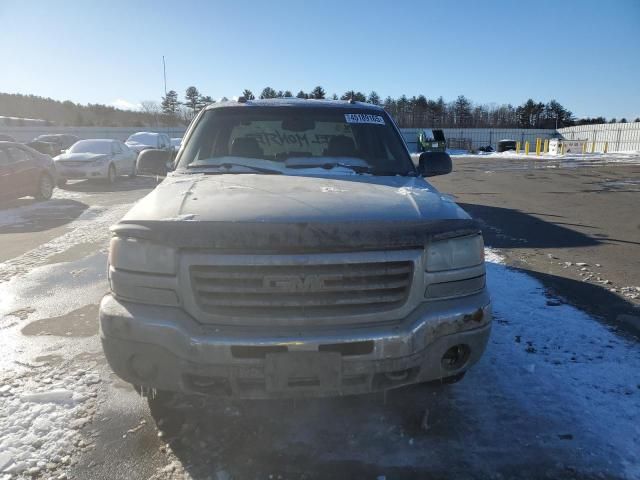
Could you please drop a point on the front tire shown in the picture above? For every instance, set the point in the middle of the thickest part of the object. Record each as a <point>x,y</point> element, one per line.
<point>45,187</point>
<point>62,182</point>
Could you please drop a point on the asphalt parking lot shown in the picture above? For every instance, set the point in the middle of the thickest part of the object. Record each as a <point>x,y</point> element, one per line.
<point>557,394</point>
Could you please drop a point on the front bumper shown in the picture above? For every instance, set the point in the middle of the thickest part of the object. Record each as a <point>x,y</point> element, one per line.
<point>82,171</point>
<point>166,349</point>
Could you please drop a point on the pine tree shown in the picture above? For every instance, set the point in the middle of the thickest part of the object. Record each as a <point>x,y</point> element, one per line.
<point>462,111</point>
<point>191,96</point>
<point>170,103</point>
<point>268,92</point>
<point>288,94</point>
<point>301,94</point>
<point>374,98</point>
<point>318,93</point>
<point>248,94</point>
<point>356,96</point>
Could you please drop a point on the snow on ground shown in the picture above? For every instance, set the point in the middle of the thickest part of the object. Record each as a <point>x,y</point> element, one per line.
<point>567,160</point>
<point>40,419</point>
<point>591,370</point>
<point>48,386</point>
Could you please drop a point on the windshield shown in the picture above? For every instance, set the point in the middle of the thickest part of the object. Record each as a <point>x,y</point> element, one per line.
<point>143,138</point>
<point>91,146</point>
<point>297,138</point>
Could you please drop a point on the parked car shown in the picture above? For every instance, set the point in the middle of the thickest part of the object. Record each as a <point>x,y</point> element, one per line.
<point>144,140</point>
<point>53,144</point>
<point>435,143</point>
<point>25,172</point>
<point>175,143</point>
<point>102,159</point>
<point>295,251</point>
<point>506,145</point>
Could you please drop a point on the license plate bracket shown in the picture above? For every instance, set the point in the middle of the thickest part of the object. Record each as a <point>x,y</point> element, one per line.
<point>303,371</point>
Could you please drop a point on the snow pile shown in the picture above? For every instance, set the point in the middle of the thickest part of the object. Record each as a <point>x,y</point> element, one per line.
<point>40,420</point>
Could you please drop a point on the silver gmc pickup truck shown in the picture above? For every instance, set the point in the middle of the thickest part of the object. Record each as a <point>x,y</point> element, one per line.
<point>296,250</point>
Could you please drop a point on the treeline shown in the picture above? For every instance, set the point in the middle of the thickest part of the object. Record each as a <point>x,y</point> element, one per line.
<point>68,113</point>
<point>418,111</point>
<point>415,111</point>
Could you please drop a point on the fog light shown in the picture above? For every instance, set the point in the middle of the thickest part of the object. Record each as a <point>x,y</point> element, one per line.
<point>456,357</point>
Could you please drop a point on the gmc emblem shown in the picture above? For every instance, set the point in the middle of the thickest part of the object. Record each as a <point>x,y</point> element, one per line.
<point>294,283</point>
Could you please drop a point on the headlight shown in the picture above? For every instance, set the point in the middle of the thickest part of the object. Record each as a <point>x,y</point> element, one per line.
<point>455,253</point>
<point>141,256</point>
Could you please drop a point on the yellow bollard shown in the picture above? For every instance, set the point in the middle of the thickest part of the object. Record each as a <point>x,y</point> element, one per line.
<point>546,145</point>
<point>584,147</point>
<point>526,147</point>
<point>593,147</point>
<point>562,149</point>
<point>518,148</point>
<point>606,147</point>
<point>538,142</point>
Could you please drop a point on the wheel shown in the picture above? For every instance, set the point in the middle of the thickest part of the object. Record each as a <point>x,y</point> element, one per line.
<point>111,175</point>
<point>45,187</point>
<point>62,182</point>
<point>134,170</point>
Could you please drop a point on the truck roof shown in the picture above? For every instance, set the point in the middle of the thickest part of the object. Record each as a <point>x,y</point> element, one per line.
<point>297,103</point>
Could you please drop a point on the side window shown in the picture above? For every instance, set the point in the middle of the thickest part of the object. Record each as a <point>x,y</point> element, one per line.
<point>17,155</point>
<point>115,148</point>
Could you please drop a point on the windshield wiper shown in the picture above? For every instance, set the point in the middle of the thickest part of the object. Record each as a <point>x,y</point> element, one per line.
<point>230,165</point>
<point>331,165</point>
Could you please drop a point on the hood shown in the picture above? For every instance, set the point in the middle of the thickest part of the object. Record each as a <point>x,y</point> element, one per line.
<point>260,210</point>
<point>288,198</point>
<point>80,157</point>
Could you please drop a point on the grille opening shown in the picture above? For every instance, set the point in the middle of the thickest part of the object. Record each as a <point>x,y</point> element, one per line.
<point>348,349</point>
<point>302,382</point>
<point>208,385</point>
<point>246,351</point>
<point>301,290</point>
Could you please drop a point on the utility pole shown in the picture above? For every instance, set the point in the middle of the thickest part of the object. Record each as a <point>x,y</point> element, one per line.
<point>164,71</point>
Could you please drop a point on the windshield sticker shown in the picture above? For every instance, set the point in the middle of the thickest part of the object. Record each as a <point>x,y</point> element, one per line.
<point>364,118</point>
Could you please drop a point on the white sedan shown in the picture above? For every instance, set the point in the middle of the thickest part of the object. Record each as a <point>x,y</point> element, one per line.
<point>102,159</point>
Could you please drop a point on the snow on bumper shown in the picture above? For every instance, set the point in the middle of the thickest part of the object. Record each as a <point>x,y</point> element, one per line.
<point>166,349</point>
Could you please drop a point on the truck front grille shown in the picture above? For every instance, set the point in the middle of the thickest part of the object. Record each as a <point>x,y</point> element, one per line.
<point>306,290</point>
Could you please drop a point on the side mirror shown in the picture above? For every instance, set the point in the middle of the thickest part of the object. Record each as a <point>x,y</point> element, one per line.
<point>431,164</point>
<point>153,161</point>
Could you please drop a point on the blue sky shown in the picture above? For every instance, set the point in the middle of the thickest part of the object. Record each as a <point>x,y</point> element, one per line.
<point>585,54</point>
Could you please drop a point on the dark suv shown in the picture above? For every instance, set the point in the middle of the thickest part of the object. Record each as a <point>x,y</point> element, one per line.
<point>53,144</point>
